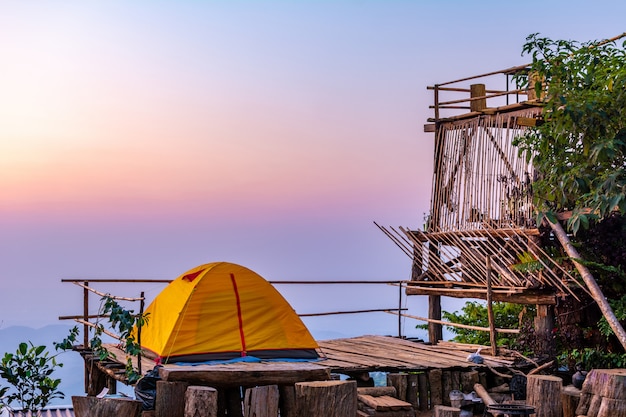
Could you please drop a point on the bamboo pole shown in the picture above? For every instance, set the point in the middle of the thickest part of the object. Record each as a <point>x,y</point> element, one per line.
<point>492,325</point>
<point>459,325</point>
<point>594,288</point>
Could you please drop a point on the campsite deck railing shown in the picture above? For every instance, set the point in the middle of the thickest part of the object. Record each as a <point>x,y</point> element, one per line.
<point>86,316</point>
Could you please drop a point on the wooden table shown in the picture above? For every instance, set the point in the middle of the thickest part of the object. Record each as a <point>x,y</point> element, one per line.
<point>246,374</point>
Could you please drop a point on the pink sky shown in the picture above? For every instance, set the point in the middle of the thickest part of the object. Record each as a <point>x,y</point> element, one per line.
<point>144,139</point>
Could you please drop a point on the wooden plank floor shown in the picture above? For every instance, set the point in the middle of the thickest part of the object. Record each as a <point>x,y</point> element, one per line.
<point>393,354</point>
<point>374,353</point>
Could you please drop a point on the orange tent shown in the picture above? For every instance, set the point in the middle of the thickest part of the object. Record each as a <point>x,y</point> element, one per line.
<point>223,311</point>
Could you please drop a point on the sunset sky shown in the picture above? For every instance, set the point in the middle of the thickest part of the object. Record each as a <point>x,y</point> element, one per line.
<point>139,139</point>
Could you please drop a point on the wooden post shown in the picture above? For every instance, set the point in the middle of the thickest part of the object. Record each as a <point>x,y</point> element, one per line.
<point>544,325</point>
<point>399,382</point>
<point>326,398</point>
<point>444,411</point>
<point>422,380</point>
<point>492,325</point>
<point>95,379</point>
<point>106,407</point>
<point>200,401</point>
<point>435,330</point>
<point>261,401</point>
<point>478,90</point>
<point>544,393</point>
<point>170,399</point>
<point>468,380</point>
<point>412,389</point>
<point>141,307</point>
<point>434,379</point>
<point>447,385</point>
<point>86,333</point>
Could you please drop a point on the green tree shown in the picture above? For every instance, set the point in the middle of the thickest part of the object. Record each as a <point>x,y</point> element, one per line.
<point>473,313</point>
<point>579,151</point>
<point>29,371</point>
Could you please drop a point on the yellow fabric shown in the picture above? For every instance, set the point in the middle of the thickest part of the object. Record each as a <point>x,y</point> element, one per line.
<point>198,313</point>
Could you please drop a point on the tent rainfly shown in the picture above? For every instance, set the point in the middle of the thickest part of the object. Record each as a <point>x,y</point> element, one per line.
<point>222,311</point>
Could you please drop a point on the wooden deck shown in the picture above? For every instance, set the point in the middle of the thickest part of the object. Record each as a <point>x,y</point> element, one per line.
<point>356,354</point>
<point>390,354</point>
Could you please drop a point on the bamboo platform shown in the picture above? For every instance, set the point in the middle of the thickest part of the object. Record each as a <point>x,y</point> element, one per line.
<point>390,354</point>
<point>356,354</point>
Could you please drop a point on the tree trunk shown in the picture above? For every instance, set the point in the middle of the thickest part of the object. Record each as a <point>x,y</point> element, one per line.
<point>591,283</point>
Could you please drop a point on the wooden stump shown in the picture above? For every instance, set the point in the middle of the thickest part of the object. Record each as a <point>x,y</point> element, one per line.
<point>613,383</point>
<point>170,399</point>
<point>612,407</point>
<point>261,401</point>
<point>594,405</point>
<point>200,401</point>
<point>445,411</point>
<point>544,393</point>
<point>603,394</point>
<point>570,397</point>
<point>106,407</point>
<point>326,398</point>
<point>434,379</point>
<point>583,404</point>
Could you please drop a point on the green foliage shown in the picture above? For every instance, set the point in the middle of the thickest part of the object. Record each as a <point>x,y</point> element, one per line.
<point>506,315</point>
<point>592,358</point>
<point>619,308</point>
<point>29,371</point>
<point>580,149</point>
<point>123,323</point>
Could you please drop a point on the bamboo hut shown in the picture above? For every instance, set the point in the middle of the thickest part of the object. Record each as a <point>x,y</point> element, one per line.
<point>481,225</point>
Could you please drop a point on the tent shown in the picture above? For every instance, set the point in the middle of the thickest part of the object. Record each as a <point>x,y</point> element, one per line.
<point>223,311</point>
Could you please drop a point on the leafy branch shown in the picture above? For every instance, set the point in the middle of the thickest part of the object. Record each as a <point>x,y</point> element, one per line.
<point>123,322</point>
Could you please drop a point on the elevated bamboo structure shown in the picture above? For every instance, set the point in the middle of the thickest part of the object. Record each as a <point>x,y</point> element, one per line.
<point>480,239</point>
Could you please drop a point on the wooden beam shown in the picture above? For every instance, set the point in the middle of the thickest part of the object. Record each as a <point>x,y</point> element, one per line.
<point>245,374</point>
<point>507,297</point>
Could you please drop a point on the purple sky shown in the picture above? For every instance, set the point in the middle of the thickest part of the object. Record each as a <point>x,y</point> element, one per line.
<point>142,139</point>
